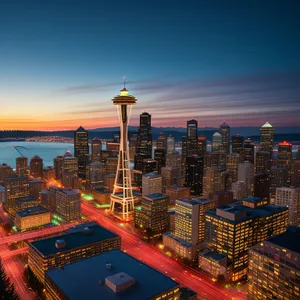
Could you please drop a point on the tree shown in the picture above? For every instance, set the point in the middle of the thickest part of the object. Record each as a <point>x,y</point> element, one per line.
<point>7,289</point>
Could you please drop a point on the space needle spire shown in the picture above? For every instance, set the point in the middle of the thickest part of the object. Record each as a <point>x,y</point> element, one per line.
<point>121,200</point>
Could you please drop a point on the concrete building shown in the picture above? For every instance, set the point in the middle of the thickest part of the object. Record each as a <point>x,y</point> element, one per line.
<point>267,138</point>
<point>5,172</point>
<point>96,150</point>
<point>217,142</point>
<point>175,192</point>
<point>26,202</point>
<point>274,267</point>
<point>194,174</point>
<point>32,217</point>
<point>214,180</point>
<point>22,166</point>
<point>36,167</point>
<point>82,242</point>
<point>111,275</point>
<point>263,162</point>
<point>261,186</point>
<point>81,150</point>
<point>221,197</point>
<point>225,133</point>
<point>152,216</point>
<point>189,227</point>
<point>231,230</point>
<point>70,172</point>
<point>36,185</point>
<point>239,189</point>
<point>151,183</point>
<point>95,175</point>
<point>15,187</point>
<point>232,164</point>
<point>170,144</point>
<point>246,174</point>
<point>290,196</point>
<point>160,157</point>
<point>68,204</point>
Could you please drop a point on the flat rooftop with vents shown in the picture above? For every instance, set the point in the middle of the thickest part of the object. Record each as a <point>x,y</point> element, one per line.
<point>111,275</point>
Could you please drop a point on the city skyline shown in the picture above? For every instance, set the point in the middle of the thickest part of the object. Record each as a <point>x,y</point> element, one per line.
<point>62,65</point>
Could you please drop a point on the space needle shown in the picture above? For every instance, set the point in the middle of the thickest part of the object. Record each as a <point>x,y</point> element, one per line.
<point>121,200</point>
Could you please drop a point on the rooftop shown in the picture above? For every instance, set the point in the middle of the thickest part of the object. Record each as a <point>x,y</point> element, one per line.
<point>267,125</point>
<point>73,240</point>
<point>69,191</point>
<point>151,175</point>
<point>177,187</point>
<point>31,211</point>
<point>149,282</point>
<point>25,199</point>
<point>81,129</point>
<point>156,196</point>
<point>289,240</point>
<point>214,255</point>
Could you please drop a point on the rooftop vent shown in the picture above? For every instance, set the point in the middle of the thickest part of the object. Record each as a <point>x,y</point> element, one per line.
<point>108,266</point>
<point>59,244</point>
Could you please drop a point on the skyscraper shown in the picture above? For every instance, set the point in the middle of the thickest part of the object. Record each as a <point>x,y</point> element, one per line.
<point>152,183</point>
<point>249,151</point>
<point>170,144</point>
<point>160,157</point>
<point>161,142</point>
<point>81,150</point>
<point>69,175</point>
<point>96,150</point>
<point>263,162</point>
<point>225,133</point>
<point>267,138</point>
<point>68,204</point>
<point>232,163</point>
<point>238,145</point>
<point>58,164</point>
<point>201,145</point>
<point>36,167</point>
<point>22,166</point>
<point>246,173</point>
<point>122,197</point>
<point>192,137</point>
<point>194,174</point>
<point>217,141</point>
<point>144,141</point>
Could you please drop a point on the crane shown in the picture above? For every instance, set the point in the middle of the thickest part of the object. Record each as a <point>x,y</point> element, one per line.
<point>18,147</point>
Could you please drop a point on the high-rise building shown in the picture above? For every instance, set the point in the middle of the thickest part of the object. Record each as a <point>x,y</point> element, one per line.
<point>5,172</point>
<point>96,150</point>
<point>192,138</point>
<point>267,138</point>
<point>36,167</point>
<point>238,145</point>
<point>232,163</point>
<point>160,157</point>
<point>132,146</point>
<point>221,197</point>
<point>58,166</point>
<point>85,240</point>
<point>81,150</point>
<point>274,267</point>
<point>174,161</point>
<point>36,185</point>
<point>15,187</point>
<point>295,173</point>
<point>263,162</point>
<point>22,166</point>
<point>70,172</point>
<point>151,183</point>
<point>95,175</point>
<point>214,180</point>
<point>290,196</point>
<point>232,230</point>
<point>111,165</point>
<point>149,165</point>
<point>68,204</point>
<point>189,227</point>
<point>168,177</point>
<point>261,186</point>
<point>152,218</point>
<point>246,173</point>
<point>249,151</point>
<point>183,153</point>
<point>122,198</point>
<point>217,142</point>
<point>144,141</point>
<point>239,189</point>
<point>279,178</point>
<point>161,142</point>
<point>194,174</point>
<point>285,158</point>
<point>202,145</point>
<point>170,144</point>
<point>175,192</point>
<point>225,133</point>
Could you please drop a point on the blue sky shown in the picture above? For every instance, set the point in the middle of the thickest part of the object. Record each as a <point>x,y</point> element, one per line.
<point>62,61</point>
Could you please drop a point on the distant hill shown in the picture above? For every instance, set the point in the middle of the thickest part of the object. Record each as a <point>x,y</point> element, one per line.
<point>281,133</point>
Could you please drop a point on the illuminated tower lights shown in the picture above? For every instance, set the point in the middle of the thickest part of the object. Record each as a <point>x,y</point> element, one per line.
<point>122,191</point>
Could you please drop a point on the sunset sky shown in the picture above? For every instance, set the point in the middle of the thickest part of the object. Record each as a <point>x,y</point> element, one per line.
<point>61,62</point>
